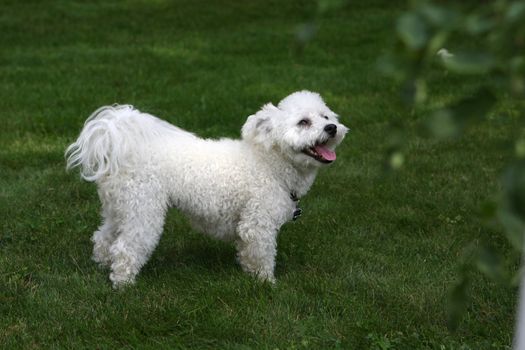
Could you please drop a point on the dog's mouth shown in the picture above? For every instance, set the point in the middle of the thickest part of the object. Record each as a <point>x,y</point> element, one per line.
<point>320,152</point>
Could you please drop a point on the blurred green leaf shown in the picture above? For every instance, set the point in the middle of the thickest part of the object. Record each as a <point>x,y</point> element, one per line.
<point>513,183</point>
<point>305,32</point>
<point>515,11</point>
<point>475,107</point>
<point>439,16</point>
<point>514,228</point>
<point>442,124</point>
<point>437,41</point>
<point>421,91</point>
<point>478,23</point>
<point>325,6</point>
<point>519,147</point>
<point>490,264</point>
<point>511,213</point>
<point>395,140</point>
<point>451,121</point>
<point>396,161</point>
<point>458,303</point>
<point>517,64</point>
<point>518,86</point>
<point>517,277</point>
<point>392,66</point>
<point>414,92</point>
<point>470,63</point>
<point>517,74</point>
<point>412,30</point>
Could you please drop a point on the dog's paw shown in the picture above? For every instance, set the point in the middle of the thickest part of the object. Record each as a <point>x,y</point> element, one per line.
<point>121,281</point>
<point>102,261</point>
<point>271,280</point>
<point>266,277</point>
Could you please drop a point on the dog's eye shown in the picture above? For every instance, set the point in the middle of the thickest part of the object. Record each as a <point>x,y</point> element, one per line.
<point>325,117</point>
<point>304,122</point>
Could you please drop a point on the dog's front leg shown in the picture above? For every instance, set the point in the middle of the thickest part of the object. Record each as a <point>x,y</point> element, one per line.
<point>257,243</point>
<point>256,255</point>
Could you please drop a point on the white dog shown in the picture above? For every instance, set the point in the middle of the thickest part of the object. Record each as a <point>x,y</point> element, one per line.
<point>239,190</point>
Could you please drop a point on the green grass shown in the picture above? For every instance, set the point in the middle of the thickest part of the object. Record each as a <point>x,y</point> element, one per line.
<point>371,262</point>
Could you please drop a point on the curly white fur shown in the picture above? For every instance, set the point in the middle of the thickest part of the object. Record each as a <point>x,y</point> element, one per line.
<point>236,190</point>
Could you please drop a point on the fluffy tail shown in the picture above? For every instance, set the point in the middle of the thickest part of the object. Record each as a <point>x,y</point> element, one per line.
<point>114,137</point>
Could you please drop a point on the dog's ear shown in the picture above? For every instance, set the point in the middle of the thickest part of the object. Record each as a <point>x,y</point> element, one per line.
<point>258,126</point>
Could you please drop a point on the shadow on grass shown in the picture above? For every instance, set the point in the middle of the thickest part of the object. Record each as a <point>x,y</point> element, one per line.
<point>198,254</point>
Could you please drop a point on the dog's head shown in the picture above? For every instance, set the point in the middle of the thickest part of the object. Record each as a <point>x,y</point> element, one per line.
<point>302,127</point>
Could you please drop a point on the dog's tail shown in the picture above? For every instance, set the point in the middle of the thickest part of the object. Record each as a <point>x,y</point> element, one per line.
<point>114,137</point>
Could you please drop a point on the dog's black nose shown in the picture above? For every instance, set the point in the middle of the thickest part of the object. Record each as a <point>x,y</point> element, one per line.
<point>331,129</point>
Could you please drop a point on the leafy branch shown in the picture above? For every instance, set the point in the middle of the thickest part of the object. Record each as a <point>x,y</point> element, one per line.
<point>485,41</point>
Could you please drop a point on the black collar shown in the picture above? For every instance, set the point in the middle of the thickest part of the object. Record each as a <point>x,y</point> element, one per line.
<point>298,211</point>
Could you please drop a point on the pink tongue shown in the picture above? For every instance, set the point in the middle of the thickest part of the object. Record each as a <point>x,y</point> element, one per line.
<point>325,152</point>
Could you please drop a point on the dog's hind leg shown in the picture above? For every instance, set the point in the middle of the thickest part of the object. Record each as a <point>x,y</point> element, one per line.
<point>102,239</point>
<point>140,226</point>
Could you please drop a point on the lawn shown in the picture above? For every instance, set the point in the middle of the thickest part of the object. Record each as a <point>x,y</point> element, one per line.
<point>369,265</point>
